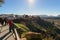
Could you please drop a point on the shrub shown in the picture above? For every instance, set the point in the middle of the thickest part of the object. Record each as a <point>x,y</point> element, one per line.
<point>33,36</point>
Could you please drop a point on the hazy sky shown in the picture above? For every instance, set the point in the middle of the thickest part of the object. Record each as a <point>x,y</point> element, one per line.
<point>39,7</point>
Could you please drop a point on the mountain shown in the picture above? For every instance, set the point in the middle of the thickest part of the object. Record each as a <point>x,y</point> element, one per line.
<point>37,25</point>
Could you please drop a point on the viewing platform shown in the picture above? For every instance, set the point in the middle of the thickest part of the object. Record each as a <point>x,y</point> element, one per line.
<point>5,34</point>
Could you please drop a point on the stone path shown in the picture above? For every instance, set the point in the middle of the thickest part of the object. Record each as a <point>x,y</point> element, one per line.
<point>5,35</point>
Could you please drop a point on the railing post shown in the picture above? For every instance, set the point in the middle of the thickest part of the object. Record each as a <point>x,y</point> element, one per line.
<point>16,33</point>
<point>17,36</point>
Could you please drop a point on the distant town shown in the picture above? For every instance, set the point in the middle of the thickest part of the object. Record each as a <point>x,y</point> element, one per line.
<point>14,16</point>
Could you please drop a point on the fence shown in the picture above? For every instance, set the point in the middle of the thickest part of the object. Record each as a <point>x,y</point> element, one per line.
<point>16,33</point>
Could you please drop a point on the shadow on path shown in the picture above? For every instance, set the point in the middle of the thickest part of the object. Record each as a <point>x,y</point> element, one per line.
<point>1,38</point>
<point>4,30</point>
<point>8,36</point>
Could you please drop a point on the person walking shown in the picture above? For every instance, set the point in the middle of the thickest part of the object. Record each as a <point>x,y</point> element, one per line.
<point>1,21</point>
<point>5,21</point>
<point>0,28</point>
<point>11,28</point>
<point>1,24</point>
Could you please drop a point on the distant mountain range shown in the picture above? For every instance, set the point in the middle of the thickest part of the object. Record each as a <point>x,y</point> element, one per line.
<point>32,15</point>
<point>49,16</point>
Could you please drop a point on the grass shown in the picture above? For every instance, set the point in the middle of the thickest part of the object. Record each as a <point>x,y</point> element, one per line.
<point>26,29</point>
<point>21,26</point>
<point>38,26</point>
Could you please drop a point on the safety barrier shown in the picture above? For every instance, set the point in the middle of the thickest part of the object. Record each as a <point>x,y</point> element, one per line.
<point>16,33</point>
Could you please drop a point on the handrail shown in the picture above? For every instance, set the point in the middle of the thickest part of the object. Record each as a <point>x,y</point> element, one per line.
<point>16,34</point>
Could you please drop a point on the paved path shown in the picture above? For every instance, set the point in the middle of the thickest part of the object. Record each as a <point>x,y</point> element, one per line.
<point>5,35</point>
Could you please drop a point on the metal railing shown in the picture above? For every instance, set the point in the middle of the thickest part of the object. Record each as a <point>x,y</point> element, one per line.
<point>16,33</point>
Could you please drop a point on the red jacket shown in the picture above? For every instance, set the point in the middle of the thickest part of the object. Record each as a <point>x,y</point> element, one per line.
<point>10,22</point>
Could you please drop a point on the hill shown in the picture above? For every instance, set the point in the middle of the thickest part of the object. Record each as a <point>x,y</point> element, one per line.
<point>37,25</point>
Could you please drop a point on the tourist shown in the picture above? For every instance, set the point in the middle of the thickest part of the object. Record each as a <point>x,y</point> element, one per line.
<point>11,28</point>
<point>5,21</point>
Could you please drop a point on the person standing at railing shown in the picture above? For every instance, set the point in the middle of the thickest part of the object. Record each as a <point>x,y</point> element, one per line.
<point>11,27</point>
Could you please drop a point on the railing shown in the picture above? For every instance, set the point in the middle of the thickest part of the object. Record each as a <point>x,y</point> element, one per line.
<point>16,33</point>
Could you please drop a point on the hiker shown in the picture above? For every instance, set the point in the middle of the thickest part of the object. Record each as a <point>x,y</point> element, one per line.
<point>1,23</point>
<point>11,28</point>
<point>5,21</point>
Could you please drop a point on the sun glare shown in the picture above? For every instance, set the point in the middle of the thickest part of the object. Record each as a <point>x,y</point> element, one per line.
<point>31,2</point>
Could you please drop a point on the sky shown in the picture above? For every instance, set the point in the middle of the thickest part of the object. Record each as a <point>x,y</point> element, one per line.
<point>31,7</point>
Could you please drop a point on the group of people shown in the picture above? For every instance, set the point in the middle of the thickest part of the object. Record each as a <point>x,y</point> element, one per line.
<point>5,21</point>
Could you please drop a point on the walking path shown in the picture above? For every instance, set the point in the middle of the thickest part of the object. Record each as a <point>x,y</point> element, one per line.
<point>5,35</point>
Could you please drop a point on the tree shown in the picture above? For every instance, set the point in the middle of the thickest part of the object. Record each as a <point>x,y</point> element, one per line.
<point>1,2</point>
